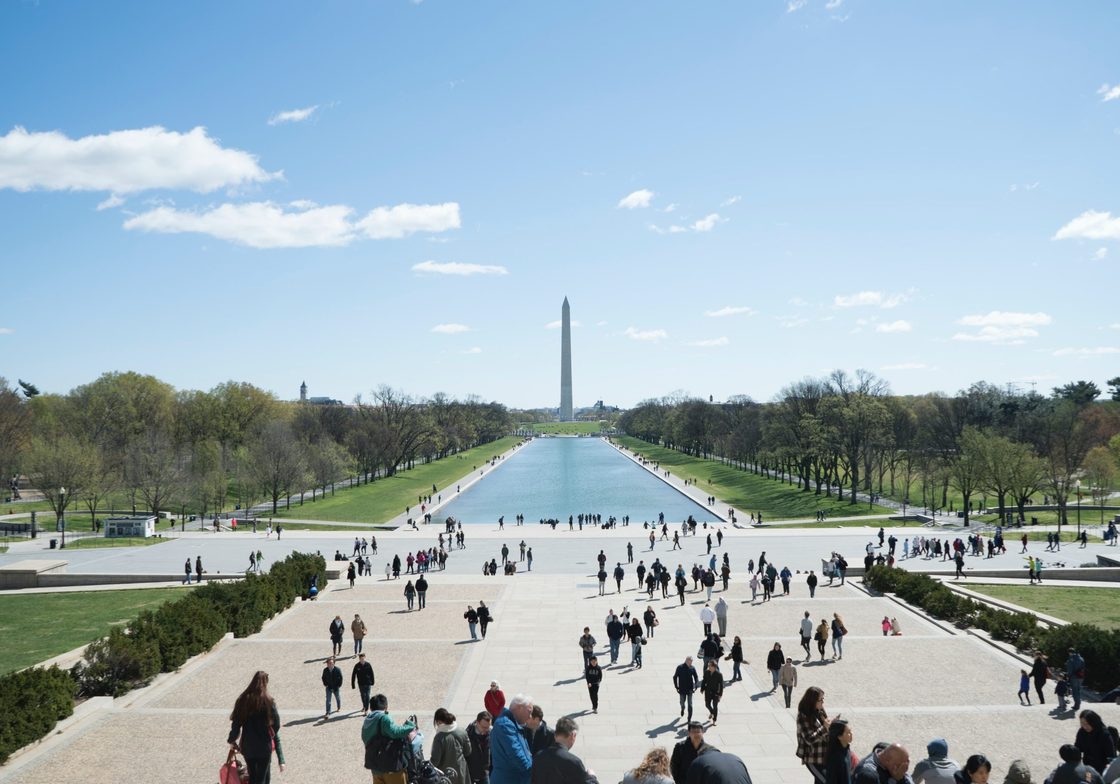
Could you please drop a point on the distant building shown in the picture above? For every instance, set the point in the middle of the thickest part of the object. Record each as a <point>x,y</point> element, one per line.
<point>316,401</point>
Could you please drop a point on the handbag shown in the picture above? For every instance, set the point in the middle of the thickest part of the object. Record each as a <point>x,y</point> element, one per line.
<point>233,772</point>
<point>656,622</point>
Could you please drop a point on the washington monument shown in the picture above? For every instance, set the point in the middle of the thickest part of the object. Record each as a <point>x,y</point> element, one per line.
<point>566,363</point>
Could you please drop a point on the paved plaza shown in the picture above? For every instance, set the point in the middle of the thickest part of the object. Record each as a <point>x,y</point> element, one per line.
<point>933,681</point>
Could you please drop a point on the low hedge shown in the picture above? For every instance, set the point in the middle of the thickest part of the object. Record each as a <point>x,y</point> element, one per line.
<point>32,702</point>
<point>162,640</point>
<point>1098,646</point>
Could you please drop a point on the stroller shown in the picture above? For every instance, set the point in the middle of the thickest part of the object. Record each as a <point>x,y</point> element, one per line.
<point>422,771</point>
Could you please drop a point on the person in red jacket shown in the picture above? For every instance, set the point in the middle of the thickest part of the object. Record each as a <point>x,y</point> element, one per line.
<point>494,700</point>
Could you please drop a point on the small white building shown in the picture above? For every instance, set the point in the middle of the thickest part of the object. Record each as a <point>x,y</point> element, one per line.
<point>130,526</point>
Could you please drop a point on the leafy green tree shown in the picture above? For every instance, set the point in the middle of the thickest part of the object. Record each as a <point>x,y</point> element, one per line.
<point>1080,393</point>
<point>1114,388</point>
<point>15,429</point>
<point>967,467</point>
<point>1100,473</point>
<point>154,471</point>
<point>60,468</point>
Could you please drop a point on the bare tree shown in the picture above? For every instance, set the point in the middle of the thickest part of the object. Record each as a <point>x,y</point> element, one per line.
<point>60,468</point>
<point>154,470</point>
<point>277,461</point>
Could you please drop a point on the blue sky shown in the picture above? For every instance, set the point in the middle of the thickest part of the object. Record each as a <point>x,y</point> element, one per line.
<point>731,195</point>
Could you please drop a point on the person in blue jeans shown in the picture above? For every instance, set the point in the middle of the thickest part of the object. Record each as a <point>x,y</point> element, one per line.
<point>332,682</point>
<point>686,681</point>
<point>1075,671</point>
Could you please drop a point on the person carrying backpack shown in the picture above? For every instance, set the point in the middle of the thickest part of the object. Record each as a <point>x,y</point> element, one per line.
<point>387,743</point>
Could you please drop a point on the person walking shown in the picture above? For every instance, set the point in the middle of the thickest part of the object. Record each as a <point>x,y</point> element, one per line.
<point>839,631</point>
<point>472,621</point>
<point>479,760</point>
<point>787,679</point>
<point>557,764</point>
<point>351,574</point>
<point>362,678</point>
<point>587,646</point>
<point>484,618</point>
<point>358,630</point>
<point>451,748</point>
<point>811,581</point>
<point>634,633</point>
<point>687,750</point>
<point>255,729</point>
<point>737,661</point>
<point>1075,671</point>
<point>686,681</point>
<point>707,617</point>
<point>198,569</point>
<point>629,552</point>
<point>421,592</point>
<point>619,574</point>
<point>721,616</point>
<point>332,682</point>
<point>615,632</point>
<point>806,634</point>
<point>494,700</point>
<point>337,629</point>
<point>409,594</point>
<point>602,577</point>
<point>593,674</point>
<point>187,572</point>
<point>650,618</point>
<point>1040,672</point>
<point>812,732</point>
<point>712,686</point>
<point>822,636</point>
<point>774,661</point>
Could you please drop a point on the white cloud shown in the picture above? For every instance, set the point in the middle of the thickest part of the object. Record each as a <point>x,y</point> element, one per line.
<point>1100,254</point>
<point>795,5</point>
<point>601,323</point>
<point>651,335</point>
<point>707,223</point>
<point>1097,351</point>
<point>292,115</point>
<point>459,268</point>
<point>404,219</point>
<point>893,326</point>
<point>124,162</point>
<point>1114,326</point>
<point>720,341</point>
<point>559,323</point>
<point>1002,327</point>
<point>832,5</point>
<point>450,329</point>
<point>1109,93</point>
<point>677,229</point>
<point>636,200</point>
<point>1091,225</point>
<point>255,224</point>
<point>732,200</point>
<point>729,310</point>
<point>797,302</point>
<point>473,350</point>
<point>113,201</point>
<point>791,322</point>
<point>7,331</point>
<point>869,298</point>
<point>906,366</point>
<point>670,208</point>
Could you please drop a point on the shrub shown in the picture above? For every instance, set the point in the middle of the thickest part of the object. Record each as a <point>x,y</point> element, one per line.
<point>32,702</point>
<point>116,664</point>
<point>1097,646</point>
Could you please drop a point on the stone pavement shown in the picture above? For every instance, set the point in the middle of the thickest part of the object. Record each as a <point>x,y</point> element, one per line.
<point>930,682</point>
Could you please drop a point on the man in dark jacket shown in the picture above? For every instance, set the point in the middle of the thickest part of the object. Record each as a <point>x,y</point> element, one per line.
<point>889,765</point>
<point>615,632</point>
<point>619,575</point>
<point>421,592</point>
<point>536,732</point>
<point>594,676</point>
<point>332,682</point>
<point>717,767</point>
<point>362,677</point>
<point>479,760</point>
<point>688,750</point>
<point>556,764</point>
<point>686,681</point>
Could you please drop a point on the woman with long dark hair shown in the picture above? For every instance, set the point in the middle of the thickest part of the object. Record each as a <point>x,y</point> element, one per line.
<point>255,729</point>
<point>1094,741</point>
<point>812,732</point>
<point>838,761</point>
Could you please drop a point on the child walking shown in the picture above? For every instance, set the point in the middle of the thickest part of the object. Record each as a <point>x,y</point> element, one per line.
<point>1061,689</point>
<point>1024,688</point>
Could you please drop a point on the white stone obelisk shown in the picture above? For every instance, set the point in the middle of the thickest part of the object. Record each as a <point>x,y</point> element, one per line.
<point>566,364</point>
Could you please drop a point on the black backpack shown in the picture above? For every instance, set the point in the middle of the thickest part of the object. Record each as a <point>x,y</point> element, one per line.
<point>387,754</point>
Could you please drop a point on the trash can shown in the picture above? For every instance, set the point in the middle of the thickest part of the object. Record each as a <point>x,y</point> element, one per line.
<point>54,544</point>
<point>1034,520</point>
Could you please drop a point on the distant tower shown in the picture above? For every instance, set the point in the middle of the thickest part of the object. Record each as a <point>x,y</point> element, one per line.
<point>566,363</point>
<point>303,392</point>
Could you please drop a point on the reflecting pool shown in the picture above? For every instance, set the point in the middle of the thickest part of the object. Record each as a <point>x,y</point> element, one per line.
<point>557,477</point>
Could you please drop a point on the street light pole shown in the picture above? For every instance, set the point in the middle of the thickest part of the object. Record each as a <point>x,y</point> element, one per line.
<point>62,515</point>
<point>1078,508</point>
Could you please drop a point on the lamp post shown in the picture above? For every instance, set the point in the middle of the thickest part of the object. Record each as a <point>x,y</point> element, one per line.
<point>1078,508</point>
<point>62,515</point>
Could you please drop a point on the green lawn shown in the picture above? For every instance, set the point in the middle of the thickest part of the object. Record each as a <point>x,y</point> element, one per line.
<point>1099,606</point>
<point>36,627</point>
<point>384,499</point>
<point>745,491</point>
<point>91,542</point>
<point>566,428</point>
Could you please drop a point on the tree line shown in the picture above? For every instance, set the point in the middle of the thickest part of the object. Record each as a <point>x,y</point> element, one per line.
<point>134,436</point>
<point>846,433</point>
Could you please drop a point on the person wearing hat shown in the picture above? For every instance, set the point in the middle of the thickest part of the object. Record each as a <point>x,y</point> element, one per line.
<point>1018,773</point>
<point>936,768</point>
